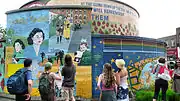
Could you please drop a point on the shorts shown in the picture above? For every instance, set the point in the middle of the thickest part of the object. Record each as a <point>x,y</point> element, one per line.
<point>68,92</point>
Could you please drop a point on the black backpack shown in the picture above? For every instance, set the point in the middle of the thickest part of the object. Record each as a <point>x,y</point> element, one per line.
<point>17,83</point>
<point>44,84</point>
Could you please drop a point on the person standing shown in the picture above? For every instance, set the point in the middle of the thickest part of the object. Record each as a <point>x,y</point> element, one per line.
<point>68,71</point>
<point>176,77</point>
<point>28,77</point>
<point>107,78</point>
<point>121,80</point>
<point>160,82</point>
<point>46,83</point>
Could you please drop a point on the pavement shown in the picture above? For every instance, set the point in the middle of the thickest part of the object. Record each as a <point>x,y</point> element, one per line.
<point>8,97</point>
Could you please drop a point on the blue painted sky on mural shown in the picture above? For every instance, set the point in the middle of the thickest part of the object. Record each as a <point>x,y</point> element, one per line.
<point>25,25</point>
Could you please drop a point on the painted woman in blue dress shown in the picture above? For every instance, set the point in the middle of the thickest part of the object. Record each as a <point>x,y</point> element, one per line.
<point>34,50</point>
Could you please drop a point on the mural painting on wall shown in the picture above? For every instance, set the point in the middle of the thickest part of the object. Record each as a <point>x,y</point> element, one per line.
<point>28,33</point>
<point>139,69</point>
<point>108,17</point>
<point>70,33</point>
<point>2,45</point>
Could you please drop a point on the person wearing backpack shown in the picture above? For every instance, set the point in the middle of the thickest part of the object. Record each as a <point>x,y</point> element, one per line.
<point>46,83</point>
<point>21,82</point>
<point>68,71</point>
<point>162,78</point>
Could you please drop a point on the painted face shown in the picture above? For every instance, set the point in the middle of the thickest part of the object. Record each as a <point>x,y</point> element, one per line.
<point>38,38</point>
<point>18,47</point>
<point>83,47</point>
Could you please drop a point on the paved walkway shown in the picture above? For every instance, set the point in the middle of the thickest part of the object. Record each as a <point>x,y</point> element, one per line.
<point>8,97</point>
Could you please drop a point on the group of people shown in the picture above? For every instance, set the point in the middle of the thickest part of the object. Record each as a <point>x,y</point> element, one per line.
<point>46,81</point>
<point>114,85</point>
<point>165,74</point>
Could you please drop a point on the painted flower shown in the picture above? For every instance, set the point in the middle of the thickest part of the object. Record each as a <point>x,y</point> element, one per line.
<point>95,28</point>
<point>112,25</point>
<point>115,25</point>
<point>99,23</point>
<point>107,24</point>
<point>121,25</point>
<point>113,29</point>
<point>94,23</point>
<point>103,27</point>
<point>117,31</point>
<point>101,32</point>
<point>103,22</point>
<point>109,30</point>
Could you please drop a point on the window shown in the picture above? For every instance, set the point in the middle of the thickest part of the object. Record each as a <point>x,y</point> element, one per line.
<point>167,43</point>
<point>172,43</point>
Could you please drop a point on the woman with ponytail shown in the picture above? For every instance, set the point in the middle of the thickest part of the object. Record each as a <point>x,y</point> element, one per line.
<point>107,78</point>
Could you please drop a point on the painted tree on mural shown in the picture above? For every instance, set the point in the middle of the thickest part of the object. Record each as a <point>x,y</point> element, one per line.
<point>53,24</point>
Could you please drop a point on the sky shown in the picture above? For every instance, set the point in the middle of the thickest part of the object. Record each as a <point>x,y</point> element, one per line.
<point>158,18</point>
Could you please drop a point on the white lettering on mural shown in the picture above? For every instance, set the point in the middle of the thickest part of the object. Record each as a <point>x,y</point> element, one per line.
<point>119,10</point>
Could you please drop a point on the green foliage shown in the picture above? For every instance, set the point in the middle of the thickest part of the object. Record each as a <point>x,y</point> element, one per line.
<point>10,32</point>
<point>144,95</point>
<point>106,32</point>
<point>147,95</point>
<point>53,24</point>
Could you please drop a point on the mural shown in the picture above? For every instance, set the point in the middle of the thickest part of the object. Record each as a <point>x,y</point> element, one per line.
<point>69,33</point>
<point>2,61</point>
<point>47,35</point>
<point>139,60</point>
<point>91,36</point>
<point>108,17</point>
<point>29,34</point>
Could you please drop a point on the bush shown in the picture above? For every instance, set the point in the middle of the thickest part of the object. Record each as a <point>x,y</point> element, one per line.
<point>147,95</point>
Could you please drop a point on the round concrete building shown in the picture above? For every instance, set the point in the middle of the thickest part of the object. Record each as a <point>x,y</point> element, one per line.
<point>108,16</point>
<point>93,32</point>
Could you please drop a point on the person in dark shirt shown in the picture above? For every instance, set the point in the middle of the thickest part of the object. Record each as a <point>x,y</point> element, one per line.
<point>26,96</point>
<point>68,71</point>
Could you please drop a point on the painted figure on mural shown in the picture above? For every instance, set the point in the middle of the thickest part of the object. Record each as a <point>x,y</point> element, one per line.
<point>1,82</point>
<point>35,39</point>
<point>59,29</point>
<point>34,50</point>
<point>83,56</point>
<point>67,28</point>
<point>18,57</point>
<point>1,36</point>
